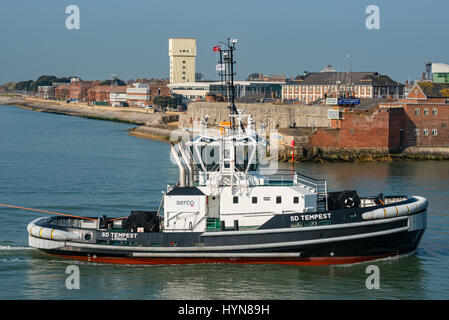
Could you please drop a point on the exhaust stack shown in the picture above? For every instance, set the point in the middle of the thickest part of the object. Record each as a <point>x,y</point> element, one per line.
<point>182,169</point>
<point>186,158</point>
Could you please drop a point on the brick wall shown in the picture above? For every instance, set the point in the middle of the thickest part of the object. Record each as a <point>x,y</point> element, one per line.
<point>432,121</point>
<point>356,130</point>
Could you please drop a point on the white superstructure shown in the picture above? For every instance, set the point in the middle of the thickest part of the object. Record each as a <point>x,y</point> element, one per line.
<point>222,179</point>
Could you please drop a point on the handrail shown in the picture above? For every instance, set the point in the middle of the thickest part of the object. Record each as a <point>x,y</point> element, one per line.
<point>281,177</point>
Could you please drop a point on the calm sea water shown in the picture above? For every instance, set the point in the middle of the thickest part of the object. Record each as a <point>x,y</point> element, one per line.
<point>88,167</point>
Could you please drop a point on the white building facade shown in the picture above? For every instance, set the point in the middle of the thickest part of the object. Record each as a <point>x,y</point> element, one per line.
<point>316,86</point>
<point>138,95</point>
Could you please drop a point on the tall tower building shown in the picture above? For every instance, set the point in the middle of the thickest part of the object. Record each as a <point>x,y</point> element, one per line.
<point>182,53</point>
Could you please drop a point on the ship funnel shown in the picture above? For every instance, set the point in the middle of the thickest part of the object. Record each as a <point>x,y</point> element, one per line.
<point>187,162</point>
<point>182,169</point>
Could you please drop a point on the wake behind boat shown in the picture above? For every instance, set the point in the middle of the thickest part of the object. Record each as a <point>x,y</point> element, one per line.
<point>231,205</point>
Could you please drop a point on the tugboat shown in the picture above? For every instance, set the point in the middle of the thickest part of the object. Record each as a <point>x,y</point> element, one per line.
<point>229,207</point>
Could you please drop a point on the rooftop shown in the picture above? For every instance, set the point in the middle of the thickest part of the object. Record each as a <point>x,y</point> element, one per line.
<point>108,88</point>
<point>218,83</point>
<point>440,68</point>
<point>332,78</point>
<point>434,90</point>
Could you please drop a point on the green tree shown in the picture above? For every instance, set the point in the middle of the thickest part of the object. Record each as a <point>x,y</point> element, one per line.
<point>165,101</point>
<point>46,80</point>
<point>24,85</point>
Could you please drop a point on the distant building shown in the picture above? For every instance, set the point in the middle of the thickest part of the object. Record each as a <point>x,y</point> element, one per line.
<point>79,89</point>
<point>62,91</point>
<point>159,89</point>
<point>194,91</point>
<point>75,90</point>
<point>265,77</point>
<point>46,92</point>
<point>316,86</point>
<point>118,98</point>
<point>182,53</point>
<point>440,72</point>
<point>138,95</point>
<point>102,93</point>
<point>425,116</point>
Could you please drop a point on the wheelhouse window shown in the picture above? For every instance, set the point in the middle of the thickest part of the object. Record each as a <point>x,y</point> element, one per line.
<point>235,199</point>
<point>254,199</point>
<point>278,199</point>
<point>295,199</point>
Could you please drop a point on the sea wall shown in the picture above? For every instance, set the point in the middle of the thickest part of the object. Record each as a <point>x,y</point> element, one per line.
<point>128,115</point>
<point>274,116</point>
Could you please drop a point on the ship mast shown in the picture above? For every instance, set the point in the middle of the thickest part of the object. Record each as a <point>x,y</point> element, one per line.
<point>226,72</point>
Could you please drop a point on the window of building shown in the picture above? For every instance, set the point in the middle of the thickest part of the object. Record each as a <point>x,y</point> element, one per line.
<point>295,199</point>
<point>254,200</point>
<point>434,132</point>
<point>425,132</point>
<point>417,111</point>
<point>435,111</point>
<point>235,200</point>
<point>426,111</point>
<point>417,132</point>
<point>278,199</point>
<point>352,130</point>
<point>183,61</point>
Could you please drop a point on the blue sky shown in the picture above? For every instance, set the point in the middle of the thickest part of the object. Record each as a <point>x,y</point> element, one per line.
<point>130,38</point>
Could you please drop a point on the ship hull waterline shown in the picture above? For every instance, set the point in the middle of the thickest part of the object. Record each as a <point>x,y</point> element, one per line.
<point>357,248</point>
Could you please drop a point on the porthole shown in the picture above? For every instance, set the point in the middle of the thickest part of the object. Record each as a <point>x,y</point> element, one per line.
<point>87,236</point>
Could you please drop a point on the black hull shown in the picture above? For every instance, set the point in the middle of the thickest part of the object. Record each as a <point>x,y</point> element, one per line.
<point>351,251</point>
<point>314,247</point>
